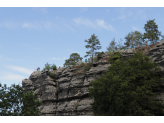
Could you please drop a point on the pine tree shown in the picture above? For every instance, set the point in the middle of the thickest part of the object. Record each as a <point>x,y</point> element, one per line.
<point>47,66</point>
<point>93,41</point>
<point>74,57</point>
<point>113,47</point>
<point>152,33</point>
<point>133,39</point>
<point>127,88</point>
<point>15,96</point>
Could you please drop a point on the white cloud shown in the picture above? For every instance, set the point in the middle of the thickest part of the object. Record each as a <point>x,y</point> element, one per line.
<point>127,14</point>
<point>134,28</point>
<point>32,26</point>
<point>84,22</point>
<point>95,24</point>
<point>69,27</point>
<point>104,25</point>
<point>20,69</point>
<point>11,76</point>
<point>26,25</point>
<point>121,17</point>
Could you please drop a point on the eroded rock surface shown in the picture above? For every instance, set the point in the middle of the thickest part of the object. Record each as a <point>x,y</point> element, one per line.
<point>67,95</point>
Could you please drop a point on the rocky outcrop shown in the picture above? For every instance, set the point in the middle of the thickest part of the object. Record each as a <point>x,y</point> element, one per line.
<point>66,94</point>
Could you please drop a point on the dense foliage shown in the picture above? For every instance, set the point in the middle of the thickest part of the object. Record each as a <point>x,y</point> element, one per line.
<point>74,57</point>
<point>152,32</point>
<point>127,88</point>
<point>15,96</point>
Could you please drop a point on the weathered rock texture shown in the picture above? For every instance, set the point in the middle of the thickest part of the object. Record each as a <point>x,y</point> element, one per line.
<point>66,94</point>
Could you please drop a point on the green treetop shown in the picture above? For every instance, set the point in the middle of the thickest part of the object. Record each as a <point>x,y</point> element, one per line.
<point>152,33</point>
<point>93,41</point>
<point>74,57</point>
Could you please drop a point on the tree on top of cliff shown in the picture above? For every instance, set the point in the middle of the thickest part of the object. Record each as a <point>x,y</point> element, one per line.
<point>93,41</point>
<point>133,39</point>
<point>47,66</point>
<point>15,96</point>
<point>126,89</point>
<point>74,57</point>
<point>152,32</point>
<point>113,47</point>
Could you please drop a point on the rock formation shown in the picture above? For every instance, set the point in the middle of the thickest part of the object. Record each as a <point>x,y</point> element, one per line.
<point>66,94</point>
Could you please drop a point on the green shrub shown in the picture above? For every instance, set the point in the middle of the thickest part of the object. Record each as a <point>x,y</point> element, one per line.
<point>81,64</point>
<point>76,106</point>
<point>127,88</point>
<point>53,67</point>
<point>87,67</point>
<point>51,74</point>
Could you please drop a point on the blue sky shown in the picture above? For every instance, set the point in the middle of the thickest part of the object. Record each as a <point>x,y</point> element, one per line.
<point>31,37</point>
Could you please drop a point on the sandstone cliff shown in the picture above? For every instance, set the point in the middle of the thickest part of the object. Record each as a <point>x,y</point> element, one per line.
<point>66,93</point>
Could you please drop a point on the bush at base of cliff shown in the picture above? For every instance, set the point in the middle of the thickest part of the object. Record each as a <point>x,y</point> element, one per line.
<point>16,96</point>
<point>127,89</point>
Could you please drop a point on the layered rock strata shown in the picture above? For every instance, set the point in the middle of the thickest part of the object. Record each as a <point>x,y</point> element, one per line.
<point>66,94</point>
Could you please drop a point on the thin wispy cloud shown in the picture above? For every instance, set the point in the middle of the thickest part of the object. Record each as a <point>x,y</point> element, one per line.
<point>70,28</point>
<point>10,76</point>
<point>9,59</point>
<point>135,29</point>
<point>127,14</point>
<point>96,24</point>
<point>84,22</point>
<point>19,69</point>
<point>103,24</point>
<point>32,25</point>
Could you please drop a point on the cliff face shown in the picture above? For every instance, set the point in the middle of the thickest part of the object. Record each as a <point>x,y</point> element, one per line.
<point>66,94</point>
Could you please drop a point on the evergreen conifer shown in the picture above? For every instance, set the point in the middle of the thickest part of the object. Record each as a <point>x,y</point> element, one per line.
<point>128,88</point>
